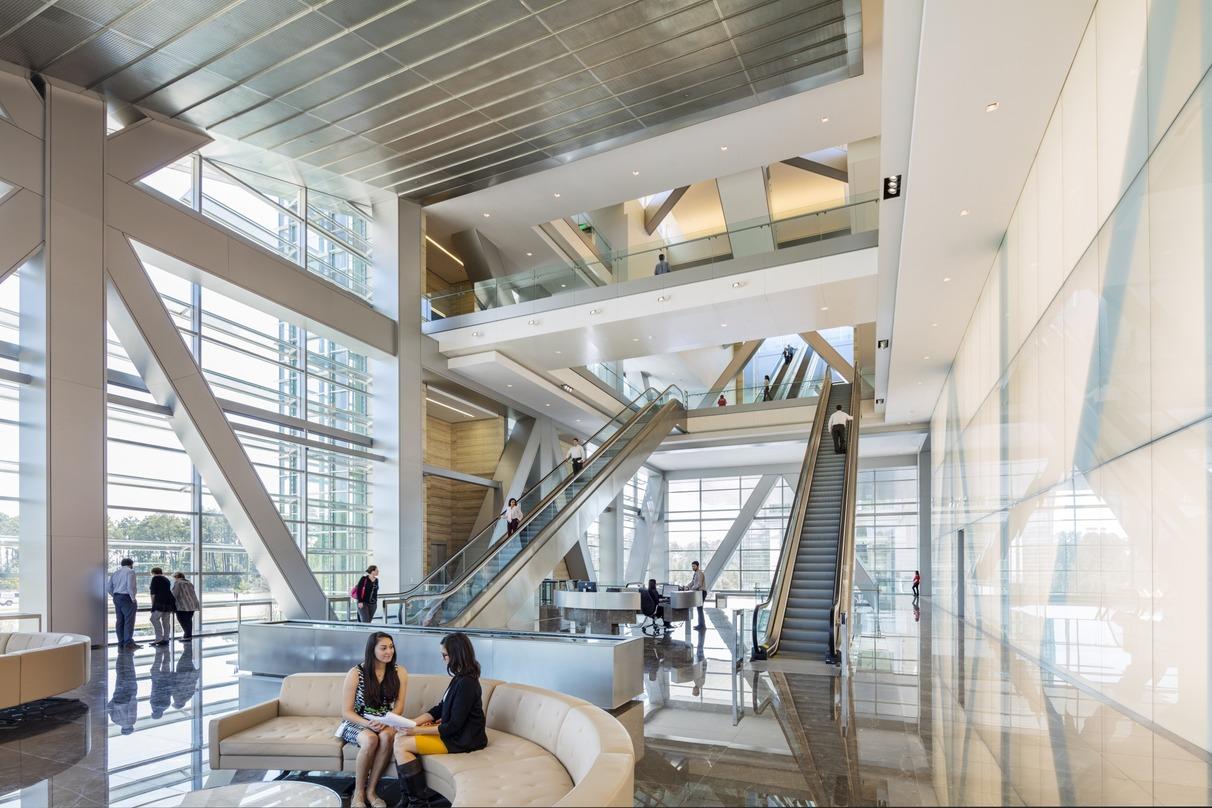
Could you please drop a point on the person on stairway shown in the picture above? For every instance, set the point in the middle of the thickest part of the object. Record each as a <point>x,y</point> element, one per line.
<point>838,422</point>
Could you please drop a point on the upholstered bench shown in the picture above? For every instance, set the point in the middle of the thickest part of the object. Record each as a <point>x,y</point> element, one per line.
<point>544,748</point>
<point>40,665</point>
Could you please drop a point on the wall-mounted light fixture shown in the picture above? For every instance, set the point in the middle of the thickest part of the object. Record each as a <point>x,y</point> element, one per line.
<point>892,187</point>
<point>882,344</point>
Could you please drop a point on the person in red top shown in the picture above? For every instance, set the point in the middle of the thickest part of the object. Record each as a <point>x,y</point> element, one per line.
<point>917,581</point>
<point>723,402</point>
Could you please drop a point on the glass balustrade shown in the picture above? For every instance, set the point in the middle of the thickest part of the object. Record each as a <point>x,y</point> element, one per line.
<point>860,215</point>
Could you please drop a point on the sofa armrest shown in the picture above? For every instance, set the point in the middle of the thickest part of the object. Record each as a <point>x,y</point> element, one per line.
<point>10,680</point>
<point>228,725</point>
<point>52,669</point>
<point>610,782</point>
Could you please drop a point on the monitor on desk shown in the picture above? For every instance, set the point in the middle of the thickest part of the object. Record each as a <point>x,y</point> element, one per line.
<point>669,589</point>
<point>587,586</point>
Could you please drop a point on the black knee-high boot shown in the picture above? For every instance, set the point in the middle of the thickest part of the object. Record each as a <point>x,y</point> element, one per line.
<point>413,793</point>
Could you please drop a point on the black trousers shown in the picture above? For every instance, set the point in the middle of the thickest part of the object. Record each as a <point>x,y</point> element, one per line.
<point>915,590</point>
<point>513,525</point>
<point>186,619</point>
<point>839,438</point>
<point>577,465</point>
<point>366,612</point>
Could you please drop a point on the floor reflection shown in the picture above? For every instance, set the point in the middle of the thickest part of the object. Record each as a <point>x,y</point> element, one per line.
<point>928,716</point>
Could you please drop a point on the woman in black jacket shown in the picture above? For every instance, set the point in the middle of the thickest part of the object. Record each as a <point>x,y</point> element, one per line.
<point>163,605</point>
<point>455,724</point>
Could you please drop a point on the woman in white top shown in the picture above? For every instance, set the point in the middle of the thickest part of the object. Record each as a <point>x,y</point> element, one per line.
<point>513,516</point>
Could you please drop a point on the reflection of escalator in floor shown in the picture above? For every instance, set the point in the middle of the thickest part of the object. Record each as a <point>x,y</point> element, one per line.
<point>810,711</point>
<point>557,513</point>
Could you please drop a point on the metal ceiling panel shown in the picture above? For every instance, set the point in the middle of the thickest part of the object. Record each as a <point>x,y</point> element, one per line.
<point>271,111</point>
<point>239,24</point>
<point>551,99</point>
<point>45,37</point>
<point>364,108</point>
<point>459,30</point>
<point>99,11</point>
<point>412,19</point>
<point>528,66</point>
<point>86,64</point>
<point>555,123</point>
<point>222,106</point>
<point>651,58</point>
<point>287,42</point>
<point>155,23</point>
<point>655,33</point>
<point>369,154</point>
<point>346,80</point>
<point>293,127</point>
<point>494,44</point>
<point>677,71</point>
<point>451,112</point>
<point>462,160</point>
<point>150,72</point>
<point>540,83</point>
<point>583,23</point>
<point>551,141</point>
<point>331,141</point>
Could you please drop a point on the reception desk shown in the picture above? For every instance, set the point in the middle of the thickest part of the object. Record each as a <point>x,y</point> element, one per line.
<point>598,612</point>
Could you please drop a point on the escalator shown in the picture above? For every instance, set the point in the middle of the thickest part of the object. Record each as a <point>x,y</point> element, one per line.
<point>816,564</point>
<point>558,510</point>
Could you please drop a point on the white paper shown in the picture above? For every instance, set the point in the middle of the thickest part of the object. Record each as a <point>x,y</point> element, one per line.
<point>397,721</point>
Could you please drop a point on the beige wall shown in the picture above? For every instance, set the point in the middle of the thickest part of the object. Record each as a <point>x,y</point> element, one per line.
<point>451,507</point>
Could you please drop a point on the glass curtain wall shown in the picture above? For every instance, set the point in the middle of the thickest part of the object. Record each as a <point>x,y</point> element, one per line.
<point>10,444</point>
<point>312,395</point>
<point>886,529</point>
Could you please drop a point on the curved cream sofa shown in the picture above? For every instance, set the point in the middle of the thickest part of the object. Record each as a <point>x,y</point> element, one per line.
<point>40,665</point>
<point>544,748</point>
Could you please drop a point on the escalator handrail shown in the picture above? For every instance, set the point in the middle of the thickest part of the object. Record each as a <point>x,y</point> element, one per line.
<point>795,525</point>
<point>540,507</point>
<point>843,576</point>
<point>493,524</point>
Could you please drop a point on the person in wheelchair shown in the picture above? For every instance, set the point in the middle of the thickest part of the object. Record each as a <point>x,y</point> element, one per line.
<point>650,605</point>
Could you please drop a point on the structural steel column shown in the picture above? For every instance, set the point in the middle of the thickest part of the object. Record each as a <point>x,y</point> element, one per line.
<point>63,295</point>
<point>610,543</point>
<point>744,200</point>
<point>398,538</point>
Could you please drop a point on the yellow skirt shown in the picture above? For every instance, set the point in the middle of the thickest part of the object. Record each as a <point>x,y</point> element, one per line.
<point>430,745</point>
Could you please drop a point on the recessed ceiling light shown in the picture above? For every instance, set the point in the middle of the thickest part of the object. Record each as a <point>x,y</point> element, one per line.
<point>548,405</point>
<point>529,254</point>
<point>509,385</point>
<point>477,333</point>
<point>934,325</point>
<point>578,420</point>
<point>595,311</point>
<point>824,119</point>
<point>563,286</point>
<point>992,106</point>
<point>946,280</point>
<point>926,357</point>
<point>737,284</point>
<point>559,352</point>
<point>532,322</point>
<point>723,325</point>
<point>635,339</point>
<point>723,148</point>
<point>650,336</point>
<point>662,299</point>
<point>964,212</point>
<point>556,194</point>
<point>824,308</point>
<point>487,215</point>
<point>635,173</point>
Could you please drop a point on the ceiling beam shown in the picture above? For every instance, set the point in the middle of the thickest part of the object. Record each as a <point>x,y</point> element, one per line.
<point>812,166</point>
<point>653,221</point>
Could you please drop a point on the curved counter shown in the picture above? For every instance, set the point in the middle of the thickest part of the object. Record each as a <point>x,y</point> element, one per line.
<point>598,611</point>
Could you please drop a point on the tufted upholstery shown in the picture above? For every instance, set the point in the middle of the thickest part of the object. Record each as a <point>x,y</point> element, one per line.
<point>39,665</point>
<point>544,748</point>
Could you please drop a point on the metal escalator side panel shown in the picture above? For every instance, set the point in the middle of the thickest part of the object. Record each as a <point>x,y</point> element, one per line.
<point>516,582</point>
<point>788,553</point>
<point>843,592</point>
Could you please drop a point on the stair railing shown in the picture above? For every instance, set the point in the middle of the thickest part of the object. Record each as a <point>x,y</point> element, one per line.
<point>766,637</point>
<point>843,580</point>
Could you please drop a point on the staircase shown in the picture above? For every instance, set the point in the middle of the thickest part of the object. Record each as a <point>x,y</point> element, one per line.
<point>806,620</point>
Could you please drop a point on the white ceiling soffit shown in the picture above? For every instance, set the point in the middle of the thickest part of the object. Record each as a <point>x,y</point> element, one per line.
<point>675,454</point>
<point>755,137</point>
<point>964,158</point>
<point>811,295</point>
<point>492,370</point>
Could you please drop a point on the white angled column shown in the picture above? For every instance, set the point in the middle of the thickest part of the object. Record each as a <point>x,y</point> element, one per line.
<point>744,200</point>
<point>63,297</point>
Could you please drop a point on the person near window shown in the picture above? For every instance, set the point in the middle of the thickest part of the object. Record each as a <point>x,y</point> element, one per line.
<point>917,582</point>
<point>788,354</point>
<point>662,266</point>
<point>698,582</point>
<point>455,724</point>
<point>122,589</point>
<point>576,453</point>
<point>367,594</point>
<point>374,687</point>
<point>838,422</point>
<point>512,516</point>
<point>721,401</point>
<point>187,603</point>
<point>766,394</point>
<point>163,604</point>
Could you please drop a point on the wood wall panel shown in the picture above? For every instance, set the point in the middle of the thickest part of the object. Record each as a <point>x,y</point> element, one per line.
<point>451,507</point>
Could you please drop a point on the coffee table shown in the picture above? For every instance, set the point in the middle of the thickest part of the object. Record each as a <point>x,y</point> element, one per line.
<point>277,794</point>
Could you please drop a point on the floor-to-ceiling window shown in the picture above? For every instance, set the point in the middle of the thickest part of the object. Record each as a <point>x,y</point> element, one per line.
<point>10,444</point>
<point>886,529</point>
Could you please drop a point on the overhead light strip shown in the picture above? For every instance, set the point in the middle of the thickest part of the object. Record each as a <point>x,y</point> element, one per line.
<point>449,407</point>
<point>461,400</point>
<point>453,257</point>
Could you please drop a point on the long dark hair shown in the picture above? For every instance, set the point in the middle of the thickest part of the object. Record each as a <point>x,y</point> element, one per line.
<point>374,692</point>
<point>460,655</point>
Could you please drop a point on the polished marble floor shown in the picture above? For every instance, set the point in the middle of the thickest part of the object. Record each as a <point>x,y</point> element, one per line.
<point>928,716</point>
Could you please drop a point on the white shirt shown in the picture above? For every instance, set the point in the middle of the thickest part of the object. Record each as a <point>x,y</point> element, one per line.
<point>576,452</point>
<point>513,512</point>
<point>122,582</point>
<point>839,417</point>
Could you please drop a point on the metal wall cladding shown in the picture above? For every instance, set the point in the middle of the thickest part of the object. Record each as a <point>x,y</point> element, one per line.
<point>436,98</point>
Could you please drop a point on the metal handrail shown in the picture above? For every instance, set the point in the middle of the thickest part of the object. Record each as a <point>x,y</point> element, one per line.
<point>488,529</point>
<point>843,581</point>
<point>527,518</point>
<point>781,584</point>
